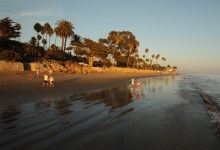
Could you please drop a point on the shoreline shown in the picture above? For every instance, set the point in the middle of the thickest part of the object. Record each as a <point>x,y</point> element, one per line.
<point>19,89</point>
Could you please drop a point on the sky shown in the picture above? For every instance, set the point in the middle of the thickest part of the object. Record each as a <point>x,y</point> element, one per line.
<point>185,32</point>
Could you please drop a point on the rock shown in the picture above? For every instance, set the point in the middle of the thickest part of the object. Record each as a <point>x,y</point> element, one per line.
<point>208,100</point>
<point>213,109</point>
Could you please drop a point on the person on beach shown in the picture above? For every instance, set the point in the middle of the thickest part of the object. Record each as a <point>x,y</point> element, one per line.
<point>45,83</point>
<point>50,71</point>
<point>37,72</point>
<point>51,79</point>
<point>132,82</point>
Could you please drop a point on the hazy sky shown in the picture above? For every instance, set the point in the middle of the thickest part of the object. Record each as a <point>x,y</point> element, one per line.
<point>186,32</point>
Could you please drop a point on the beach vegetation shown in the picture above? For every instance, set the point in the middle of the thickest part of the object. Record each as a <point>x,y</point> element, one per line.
<point>64,29</point>
<point>119,48</point>
<point>90,49</point>
<point>38,29</point>
<point>56,53</point>
<point>121,44</point>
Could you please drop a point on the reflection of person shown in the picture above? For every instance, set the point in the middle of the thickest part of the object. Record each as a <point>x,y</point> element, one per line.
<point>139,85</point>
<point>30,76</point>
<point>45,83</point>
<point>132,82</point>
<point>51,79</point>
<point>137,95</point>
<point>132,90</point>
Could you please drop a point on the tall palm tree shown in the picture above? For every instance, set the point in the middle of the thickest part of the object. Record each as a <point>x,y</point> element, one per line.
<point>47,29</point>
<point>146,51</point>
<point>147,60</point>
<point>136,56</point>
<point>164,59</point>
<point>38,28</point>
<point>153,56</point>
<point>144,61</point>
<point>50,33</point>
<point>64,30</point>
<point>157,57</point>
<point>39,37</point>
<point>44,41</point>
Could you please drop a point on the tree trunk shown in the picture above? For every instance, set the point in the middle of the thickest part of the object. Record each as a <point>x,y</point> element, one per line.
<point>49,42</point>
<point>128,60</point>
<point>65,44</point>
<point>56,41</point>
<point>62,43</point>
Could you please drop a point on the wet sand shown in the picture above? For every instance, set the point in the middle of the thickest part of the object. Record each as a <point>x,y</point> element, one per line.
<point>19,88</point>
<point>165,113</point>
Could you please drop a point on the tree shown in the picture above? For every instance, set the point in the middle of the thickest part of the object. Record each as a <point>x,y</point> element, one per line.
<point>64,30</point>
<point>39,37</point>
<point>168,67</point>
<point>121,44</point>
<point>147,60</point>
<point>32,49</point>
<point>136,57</point>
<point>153,56</point>
<point>44,41</point>
<point>164,59</point>
<point>144,61</point>
<point>48,30</point>
<point>90,49</point>
<point>146,51</point>
<point>55,53</point>
<point>157,57</point>
<point>38,28</point>
<point>9,29</point>
<point>18,28</point>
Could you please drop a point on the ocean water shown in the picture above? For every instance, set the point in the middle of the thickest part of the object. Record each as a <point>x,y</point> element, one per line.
<point>165,113</point>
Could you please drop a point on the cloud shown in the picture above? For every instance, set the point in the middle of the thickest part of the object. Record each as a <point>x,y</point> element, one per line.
<point>46,12</point>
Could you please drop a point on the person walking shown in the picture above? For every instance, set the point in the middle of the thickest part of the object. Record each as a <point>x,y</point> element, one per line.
<point>51,79</point>
<point>45,83</point>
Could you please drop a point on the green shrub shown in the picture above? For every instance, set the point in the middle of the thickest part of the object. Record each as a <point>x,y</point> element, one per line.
<point>56,55</point>
<point>10,55</point>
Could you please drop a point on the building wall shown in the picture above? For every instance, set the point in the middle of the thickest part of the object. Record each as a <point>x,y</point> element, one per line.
<point>18,66</point>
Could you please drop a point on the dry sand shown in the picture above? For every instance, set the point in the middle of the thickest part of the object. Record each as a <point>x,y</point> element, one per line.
<point>18,88</point>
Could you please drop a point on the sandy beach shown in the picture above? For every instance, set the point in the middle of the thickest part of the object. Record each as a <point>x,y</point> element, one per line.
<point>167,110</point>
<point>18,88</point>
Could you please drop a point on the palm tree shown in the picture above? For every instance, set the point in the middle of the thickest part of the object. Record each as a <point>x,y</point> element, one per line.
<point>47,29</point>
<point>144,61</point>
<point>147,60</point>
<point>50,33</point>
<point>38,28</point>
<point>146,51</point>
<point>153,56</point>
<point>136,56</point>
<point>64,30</point>
<point>174,68</point>
<point>158,55</point>
<point>39,37</point>
<point>33,41</point>
<point>44,41</point>
<point>164,59</point>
